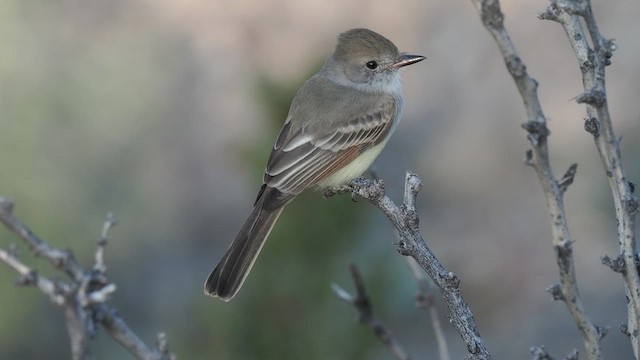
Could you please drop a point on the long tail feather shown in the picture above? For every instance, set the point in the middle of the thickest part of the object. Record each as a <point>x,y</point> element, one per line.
<point>230,273</point>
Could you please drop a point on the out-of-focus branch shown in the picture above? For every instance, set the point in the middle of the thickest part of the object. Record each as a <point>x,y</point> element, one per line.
<point>405,219</point>
<point>540,353</point>
<point>61,259</point>
<point>27,276</point>
<point>425,299</point>
<point>83,297</point>
<point>538,157</point>
<point>362,303</point>
<point>592,61</point>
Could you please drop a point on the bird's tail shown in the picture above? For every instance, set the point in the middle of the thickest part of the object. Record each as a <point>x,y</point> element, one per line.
<point>229,275</point>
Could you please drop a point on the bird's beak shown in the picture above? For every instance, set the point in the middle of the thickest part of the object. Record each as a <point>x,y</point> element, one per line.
<point>404,60</point>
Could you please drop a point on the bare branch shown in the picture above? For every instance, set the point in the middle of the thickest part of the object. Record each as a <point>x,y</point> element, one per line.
<point>362,303</point>
<point>538,158</point>
<point>592,62</point>
<point>11,260</point>
<point>163,346</point>
<point>79,326</point>
<point>405,220</point>
<point>540,353</point>
<point>109,223</point>
<point>82,298</point>
<point>59,258</point>
<point>572,356</point>
<point>29,276</point>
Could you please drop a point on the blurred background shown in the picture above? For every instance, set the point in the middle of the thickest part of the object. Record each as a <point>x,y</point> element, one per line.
<point>164,113</point>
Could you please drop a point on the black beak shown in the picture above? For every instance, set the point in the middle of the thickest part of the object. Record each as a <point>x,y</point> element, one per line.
<point>404,60</point>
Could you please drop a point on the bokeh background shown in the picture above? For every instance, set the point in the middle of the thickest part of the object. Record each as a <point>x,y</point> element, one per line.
<point>164,111</point>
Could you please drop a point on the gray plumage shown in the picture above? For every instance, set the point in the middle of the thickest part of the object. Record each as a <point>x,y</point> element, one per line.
<point>338,123</point>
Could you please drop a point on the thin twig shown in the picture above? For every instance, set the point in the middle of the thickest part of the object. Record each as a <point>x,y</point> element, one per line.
<point>59,258</point>
<point>540,353</point>
<point>538,157</point>
<point>362,303</point>
<point>109,223</point>
<point>29,276</point>
<point>405,219</point>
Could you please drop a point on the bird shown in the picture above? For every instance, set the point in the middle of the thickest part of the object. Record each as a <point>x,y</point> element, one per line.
<point>338,122</point>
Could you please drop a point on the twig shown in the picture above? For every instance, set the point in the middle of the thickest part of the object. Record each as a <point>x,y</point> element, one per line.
<point>540,353</point>
<point>109,223</point>
<point>592,62</point>
<point>538,158</point>
<point>82,298</point>
<point>425,300</point>
<point>122,333</point>
<point>405,220</point>
<point>362,303</point>
<point>59,258</point>
<point>572,356</point>
<point>29,276</point>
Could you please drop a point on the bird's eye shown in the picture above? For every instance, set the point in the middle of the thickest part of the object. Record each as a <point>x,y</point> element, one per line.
<point>372,65</point>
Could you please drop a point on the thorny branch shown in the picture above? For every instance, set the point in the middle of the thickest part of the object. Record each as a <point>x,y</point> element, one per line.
<point>592,60</point>
<point>405,219</point>
<point>83,297</point>
<point>538,157</point>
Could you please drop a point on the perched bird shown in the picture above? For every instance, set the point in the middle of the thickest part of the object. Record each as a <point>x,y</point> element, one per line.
<point>338,123</point>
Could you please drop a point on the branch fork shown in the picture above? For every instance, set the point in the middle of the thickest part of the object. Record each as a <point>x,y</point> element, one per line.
<point>82,298</point>
<point>406,221</point>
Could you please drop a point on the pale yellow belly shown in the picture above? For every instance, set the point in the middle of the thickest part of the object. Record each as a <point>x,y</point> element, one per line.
<point>356,168</point>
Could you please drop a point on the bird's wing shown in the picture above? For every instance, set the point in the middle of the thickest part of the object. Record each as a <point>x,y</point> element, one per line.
<point>300,157</point>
